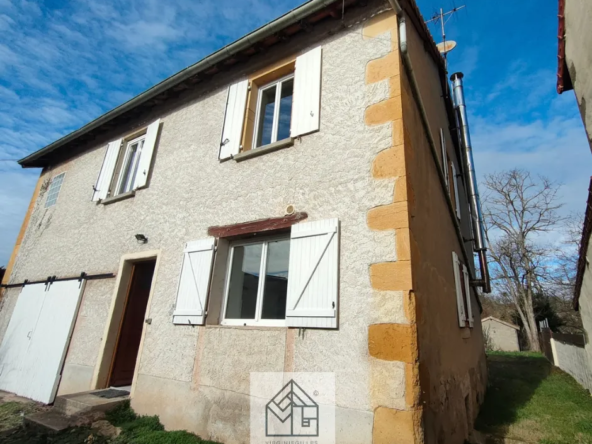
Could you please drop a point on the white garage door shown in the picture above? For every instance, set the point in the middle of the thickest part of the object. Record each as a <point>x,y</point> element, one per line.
<point>37,338</point>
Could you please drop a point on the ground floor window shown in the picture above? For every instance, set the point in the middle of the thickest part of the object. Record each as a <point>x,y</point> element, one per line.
<point>257,282</point>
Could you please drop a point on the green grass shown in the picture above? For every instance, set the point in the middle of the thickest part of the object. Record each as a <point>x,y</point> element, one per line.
<point>146,429</point>
<point>134,429</point>
<point>11,414</point>
<point>528,399</point>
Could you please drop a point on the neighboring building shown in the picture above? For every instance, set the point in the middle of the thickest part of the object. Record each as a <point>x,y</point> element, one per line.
<point>574,68</point>
<point>583,290</point>
<point>503,336</point>
<point>352,202</point>
<point>575,58</point>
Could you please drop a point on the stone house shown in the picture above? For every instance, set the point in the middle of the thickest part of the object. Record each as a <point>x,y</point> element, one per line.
<point>321,151</point>
<point>503,335</point>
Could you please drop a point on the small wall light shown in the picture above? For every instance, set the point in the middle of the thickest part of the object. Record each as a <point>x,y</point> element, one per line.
<point>141,238</point>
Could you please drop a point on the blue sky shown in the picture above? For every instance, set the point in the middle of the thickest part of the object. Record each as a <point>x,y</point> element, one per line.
<point>64,63</point>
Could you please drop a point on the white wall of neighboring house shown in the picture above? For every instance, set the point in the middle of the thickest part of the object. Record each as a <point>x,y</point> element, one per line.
<point>573,360</point>
<point>578,58</point>
<point>326,174</point>
<point>585,306</point>
<point>503,336</point>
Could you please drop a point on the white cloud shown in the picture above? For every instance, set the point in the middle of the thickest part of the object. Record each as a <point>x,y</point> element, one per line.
<point>556,148</point>
<point>61,67</point>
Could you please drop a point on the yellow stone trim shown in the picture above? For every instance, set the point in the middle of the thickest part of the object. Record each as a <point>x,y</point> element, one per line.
<point>393,426</point>
<point>393,342</point>
<point>389,217</point>
<point>384,112</point>
<point>412,391</point>
<point>384,68</point>
<point>21,235</point>
<point>391,276</point>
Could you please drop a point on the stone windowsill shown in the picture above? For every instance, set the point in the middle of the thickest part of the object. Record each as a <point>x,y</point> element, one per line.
<point>280,144</point>
<point>119,197</point>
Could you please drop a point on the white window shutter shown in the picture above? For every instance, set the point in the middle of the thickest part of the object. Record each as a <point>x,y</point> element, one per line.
<point>444,158</point>
<point>101,190</point>
<point>192,295</point>
<point>459,293</point>
<point>146,155</point>
<point>468,295</point>
<point>456,191</point>
<point>233,120</point>
<point>306,106</point>
<point>314,270</point>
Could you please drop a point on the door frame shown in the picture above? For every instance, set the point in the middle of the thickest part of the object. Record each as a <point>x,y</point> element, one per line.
<point>108,347</point>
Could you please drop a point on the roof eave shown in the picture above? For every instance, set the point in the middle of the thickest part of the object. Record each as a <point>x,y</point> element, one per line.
<point>290,18</point>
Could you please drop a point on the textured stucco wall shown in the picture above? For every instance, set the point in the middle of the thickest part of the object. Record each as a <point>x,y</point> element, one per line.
<point>452,367</point>
<point>196,378</point>
<point>586,306</point>
<point>578,35</point>
<point>573,360</point>
<point>502,337</point>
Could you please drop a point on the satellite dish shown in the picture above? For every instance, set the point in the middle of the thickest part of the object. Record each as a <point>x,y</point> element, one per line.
<point>446,47</point>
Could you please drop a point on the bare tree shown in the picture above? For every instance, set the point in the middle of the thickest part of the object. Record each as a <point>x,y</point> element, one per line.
<point>517,211</point>
<point>564,277</point>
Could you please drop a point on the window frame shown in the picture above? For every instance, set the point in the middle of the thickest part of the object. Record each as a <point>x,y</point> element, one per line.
<point>124,154</point>
<point>257,321</point>
<point>276,112</point>
<point>63,174</point>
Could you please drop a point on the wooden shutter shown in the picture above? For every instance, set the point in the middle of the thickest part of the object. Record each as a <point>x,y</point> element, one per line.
<point>467,285</point>
<point>458,281</point>
<point>306,106</point>
<point>444,158</point>
<point>146,155</point>
<point>313,280</point>
<point>101,190</point>
<point>233,120</point>
<point>194,283</point>
<point>456,190</point>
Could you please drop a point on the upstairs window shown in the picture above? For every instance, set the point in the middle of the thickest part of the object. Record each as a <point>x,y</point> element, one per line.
<point>132,152</point>
<point>463,292</point>
<point>54,190</point>
<point>273,106</point>
<point>127,163</point>
<point>274,112</point>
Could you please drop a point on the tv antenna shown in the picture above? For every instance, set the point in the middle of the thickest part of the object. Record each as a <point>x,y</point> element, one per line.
<point>444,47</point>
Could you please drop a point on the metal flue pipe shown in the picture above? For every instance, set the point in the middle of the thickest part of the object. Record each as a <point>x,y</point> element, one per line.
<point>471,178</point>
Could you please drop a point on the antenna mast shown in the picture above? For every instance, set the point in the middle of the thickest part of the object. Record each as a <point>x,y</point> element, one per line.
<point>443,18</point>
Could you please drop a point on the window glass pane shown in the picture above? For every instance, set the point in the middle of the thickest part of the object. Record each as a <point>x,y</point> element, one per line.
<point>285,110</point>
<point>130,166</point>
<point>276,280</point>
<point>54,190</point>
<point>244,282</point>
<point>266,110</point>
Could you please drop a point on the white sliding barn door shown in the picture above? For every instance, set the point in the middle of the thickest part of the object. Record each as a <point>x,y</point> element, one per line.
<point>17,337</point>
<point>34,357</point>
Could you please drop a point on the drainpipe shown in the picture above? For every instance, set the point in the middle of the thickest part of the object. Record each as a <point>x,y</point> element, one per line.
<point>471,179</point>
<point>484,283</point>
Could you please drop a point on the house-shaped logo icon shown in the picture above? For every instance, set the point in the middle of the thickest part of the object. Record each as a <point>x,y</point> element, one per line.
<point>291,413</point>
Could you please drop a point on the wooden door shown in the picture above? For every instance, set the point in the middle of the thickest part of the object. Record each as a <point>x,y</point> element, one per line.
<point>130,333</point>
